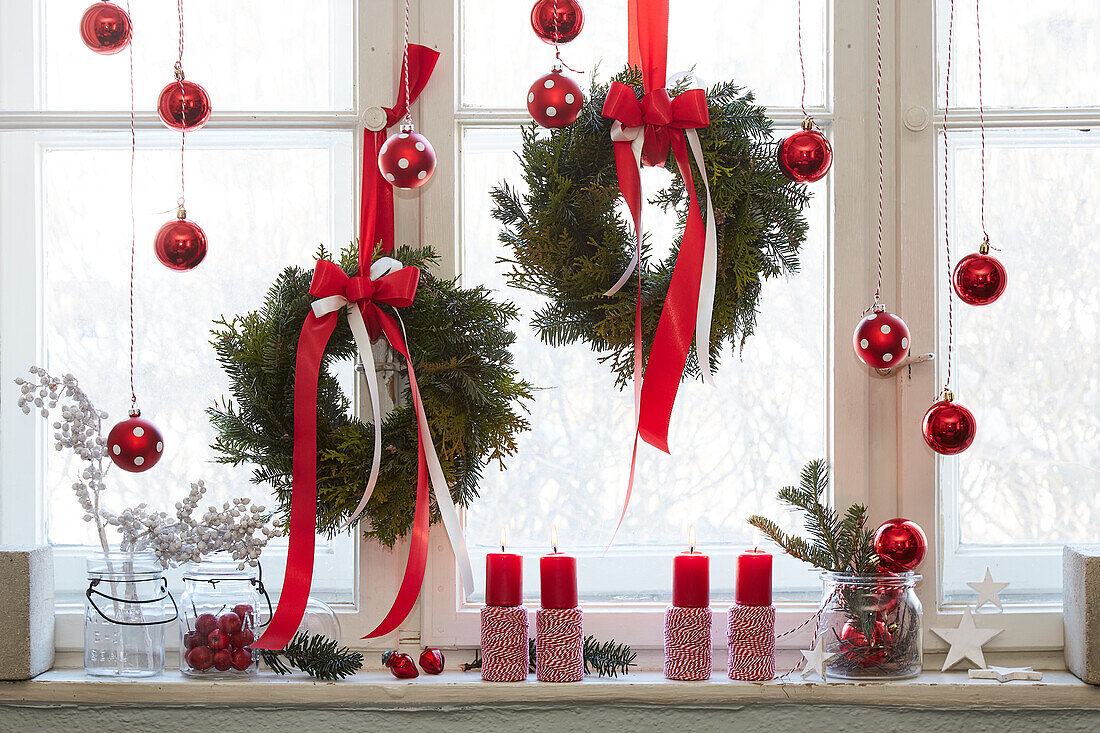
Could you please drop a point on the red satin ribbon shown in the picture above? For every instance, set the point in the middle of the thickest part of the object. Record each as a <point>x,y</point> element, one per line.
<point>395,289</point>
<point>664,119</point>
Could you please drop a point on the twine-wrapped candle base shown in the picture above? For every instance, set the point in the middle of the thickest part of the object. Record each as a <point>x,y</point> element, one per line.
<point>558,645</point>
<point>751,637</point>
<point>504,648</point>
<point>687,643</point>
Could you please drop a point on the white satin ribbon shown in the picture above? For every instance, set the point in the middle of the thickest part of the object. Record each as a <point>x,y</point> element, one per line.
<point>636,137</point>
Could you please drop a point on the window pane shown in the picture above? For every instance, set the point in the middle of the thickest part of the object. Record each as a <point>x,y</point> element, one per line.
<point>1034,54</point>
<point>754,43</point>
<point>1024,364</point>
<point>732,448</point>
<point>283,55</point>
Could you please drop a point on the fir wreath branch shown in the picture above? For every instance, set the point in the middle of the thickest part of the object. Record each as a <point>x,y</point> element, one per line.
<point>317,655</point>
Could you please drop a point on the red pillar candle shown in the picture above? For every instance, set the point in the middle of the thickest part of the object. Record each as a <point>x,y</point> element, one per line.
<point>691,577</point>
<point>503,579</point>
<point>558,575</point>
<point>754,578</point>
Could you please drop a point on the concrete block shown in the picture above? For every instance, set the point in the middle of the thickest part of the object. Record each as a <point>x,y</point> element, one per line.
<point>1081,610</point>
<point>27,608</point>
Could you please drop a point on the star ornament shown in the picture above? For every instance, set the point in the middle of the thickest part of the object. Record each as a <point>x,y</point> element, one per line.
<point>1005,674</point>
<point>988,591</point>
<point>816,659</point>
<point>966,641</point>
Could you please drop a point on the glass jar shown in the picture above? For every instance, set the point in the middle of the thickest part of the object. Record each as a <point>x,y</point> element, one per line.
<point>218,612</point>
<point>872,624</point>
<point>126,607</point>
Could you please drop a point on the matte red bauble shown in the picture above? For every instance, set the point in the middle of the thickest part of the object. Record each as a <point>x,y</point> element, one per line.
<point>804,156</point>
<point>180,245</point>
<point>184,105</point>
<point>135,444</point>
<point>105,28</point>
<point>407,159</point>
<point>900,545</point>
<point>949,427</point>
<point>979,278</point>
<point>856,647</point>
<point>431,661</point>
<point>400,664</point>
<point>555,100</point>
<point>557,21</point>
<point>881,339</point>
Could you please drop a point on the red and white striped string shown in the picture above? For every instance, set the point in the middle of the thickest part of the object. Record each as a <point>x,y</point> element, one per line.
<point>504,647</point>
<point>946,197</point>
<point>133,216</point>
<point>751,637</point>
<point>981,111</point>
<point>687,643</point>
<point>558,645</point>
<point>405,67</point>
<point>801,63</point>
<point>878,118</point>
<point>181,204</point>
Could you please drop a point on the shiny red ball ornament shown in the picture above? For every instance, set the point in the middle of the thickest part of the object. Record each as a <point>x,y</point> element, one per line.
<point>900,545</point>
<point>949,427</point>
<point>135,444</point>
<point>407,159</point>
<point>184,105</point>
<point>431,661</point>
<point>979,278</point>
<point>805,156</point>
<point>105,28</point>
<point>180,244</point>
<point>881,339</point>
<point>400,664</point>
<point>865,652</point>
<point>555,100</point>
<point>557,21</point>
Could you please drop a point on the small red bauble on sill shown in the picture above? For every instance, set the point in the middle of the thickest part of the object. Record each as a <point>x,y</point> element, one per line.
<point>555,100</point>
<point>949,428</point>
<point>979,278</point>
<point>184,105</point>
<point>400,664</point>
<point>805,156</point>
<point>407,159</point>
<point>106,28</point>
<point>432,661</point>
<point>901,546</point>
<point>557,21</point>
<point>180,244</point>
<point>881,339</point>
<point>135,444</point>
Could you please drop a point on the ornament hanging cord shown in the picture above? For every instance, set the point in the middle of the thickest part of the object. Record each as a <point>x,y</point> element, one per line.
<point>946,391</point>
<point>181,204</point>
<point>807,118</point>
<point>878,117</point>
<point>981,120</point>
<point>557,48</point>
<point>405,67</point>
<point>133,218</point>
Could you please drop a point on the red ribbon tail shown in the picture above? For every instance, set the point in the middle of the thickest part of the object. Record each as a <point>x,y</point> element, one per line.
<point>303,498</point>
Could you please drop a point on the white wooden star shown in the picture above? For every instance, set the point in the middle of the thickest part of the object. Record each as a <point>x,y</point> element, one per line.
<point>815,660</point>
<point>966,641</point>
<point>1005,674</point>
<point>988,591</point>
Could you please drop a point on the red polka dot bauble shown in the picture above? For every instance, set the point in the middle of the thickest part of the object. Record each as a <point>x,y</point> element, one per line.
<point>184,105</point>
<point>856,647</point>
<point>557,21</point>
<point>979,278</point>
<point>180,245</point>
<point>105,28</point>
<point>804,156</point>
<point>949,427</point>
<point>881,339</point>
<point>135,444</point>
<point>407,159</point>
<point>555,100</point>
<point>900,545</point>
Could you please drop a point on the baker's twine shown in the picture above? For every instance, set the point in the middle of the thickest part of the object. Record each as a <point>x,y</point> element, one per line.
<point>751,636</point>
<point>558,645</point>
<point>504,649</point>
<point>687,643</point>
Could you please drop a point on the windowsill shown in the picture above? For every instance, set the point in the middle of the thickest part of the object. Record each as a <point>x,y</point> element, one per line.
<point>932,689</point>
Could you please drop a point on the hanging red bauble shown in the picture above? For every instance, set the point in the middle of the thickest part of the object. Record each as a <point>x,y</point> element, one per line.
<point>400,664</point>
<point>805,156</point>
<point>180,244</point>
<point>980,278</point>
<point>105,28</point>
<point>900,545</point>
<point>184,105</point>
<point>858,648</point>
<point>881,339</point>
<point>135,444</point>
<point>555,100</point>
<point>431,661</point>
<point>407,159</point>
<point>557,21</point>
<point>949,427</point>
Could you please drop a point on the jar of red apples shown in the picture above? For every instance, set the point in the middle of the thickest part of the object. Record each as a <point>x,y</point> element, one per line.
<point>218,618</point>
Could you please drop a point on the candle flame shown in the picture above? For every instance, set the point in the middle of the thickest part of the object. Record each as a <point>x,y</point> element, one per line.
<point>503,537</point>
<point>691,538</point>
<point>756,539</point>
<point>554,537</point>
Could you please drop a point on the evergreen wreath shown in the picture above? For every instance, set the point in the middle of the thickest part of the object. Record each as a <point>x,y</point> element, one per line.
<point>569,240</point>
<point>460,341</point>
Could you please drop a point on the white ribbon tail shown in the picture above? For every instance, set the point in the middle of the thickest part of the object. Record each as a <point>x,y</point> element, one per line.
<point>707,281</point>
<point>636,138</point>
<point>362,341</point>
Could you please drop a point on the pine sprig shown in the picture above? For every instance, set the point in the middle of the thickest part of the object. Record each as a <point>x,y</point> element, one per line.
<point>604,658</point>
<point>317,656</point>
